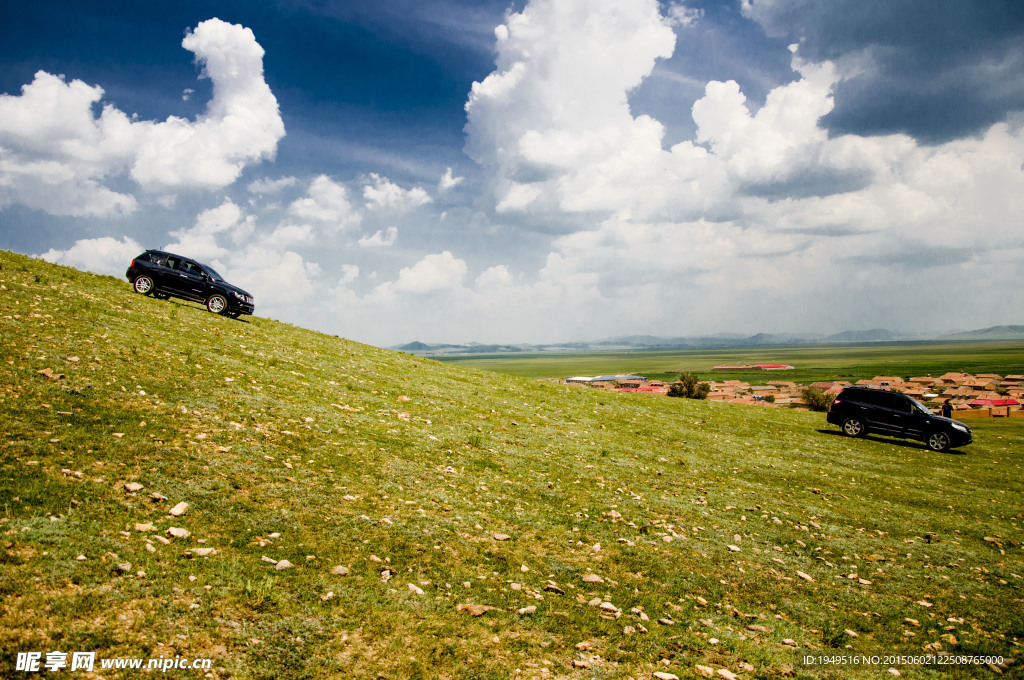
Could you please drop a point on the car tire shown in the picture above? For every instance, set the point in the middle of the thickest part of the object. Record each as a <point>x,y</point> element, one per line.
<point>854,427</point>
<point>143,285</point>
<point>218,304</point>
<point>938,441</point>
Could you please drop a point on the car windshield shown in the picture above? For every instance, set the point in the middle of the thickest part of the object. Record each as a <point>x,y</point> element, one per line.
<point>920,406</point>
<point>210,270</point>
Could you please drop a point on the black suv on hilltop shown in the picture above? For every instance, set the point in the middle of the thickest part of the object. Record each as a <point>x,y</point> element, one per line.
<point>164,275</point>
<point>859,410</point>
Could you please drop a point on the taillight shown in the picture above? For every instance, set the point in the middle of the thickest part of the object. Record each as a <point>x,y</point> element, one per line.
<point>133,263</point>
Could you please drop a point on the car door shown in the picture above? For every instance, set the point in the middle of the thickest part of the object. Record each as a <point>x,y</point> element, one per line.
<point>162,269</point>
<point>192,280</point>
<point>916,421</point>
<point>878,412</point>
<point>172,280</point>
<point>903,416</point>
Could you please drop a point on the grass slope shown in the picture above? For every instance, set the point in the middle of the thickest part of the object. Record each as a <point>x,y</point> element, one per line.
<point>436,486</point>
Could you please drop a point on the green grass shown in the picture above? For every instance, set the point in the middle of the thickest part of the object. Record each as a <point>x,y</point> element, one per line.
<point>811,363</point>
<point>289,444</point>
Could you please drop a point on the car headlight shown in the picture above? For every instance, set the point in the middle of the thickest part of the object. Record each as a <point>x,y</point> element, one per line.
<point>962,428</point>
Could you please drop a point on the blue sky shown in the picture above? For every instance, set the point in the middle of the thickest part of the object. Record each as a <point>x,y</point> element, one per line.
<point>533,171</point>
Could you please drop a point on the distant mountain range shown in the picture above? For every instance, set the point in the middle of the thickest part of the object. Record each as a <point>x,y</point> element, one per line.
<point>721,340</point>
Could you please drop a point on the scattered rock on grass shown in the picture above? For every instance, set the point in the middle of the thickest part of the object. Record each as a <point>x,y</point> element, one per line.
<point>179,509</point>
<point>133,487</point>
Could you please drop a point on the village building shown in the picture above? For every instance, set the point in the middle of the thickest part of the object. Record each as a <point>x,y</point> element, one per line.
<point>970,395</point>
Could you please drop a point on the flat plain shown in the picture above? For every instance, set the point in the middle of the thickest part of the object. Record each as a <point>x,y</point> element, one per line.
<point>810,363</point>
<point>359,513</point>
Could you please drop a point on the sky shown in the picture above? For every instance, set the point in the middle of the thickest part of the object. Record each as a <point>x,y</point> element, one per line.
<point>533,171</point>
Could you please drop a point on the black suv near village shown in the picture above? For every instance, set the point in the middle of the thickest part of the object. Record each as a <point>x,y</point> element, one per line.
<point>860,410</point>
<point>165,275</point>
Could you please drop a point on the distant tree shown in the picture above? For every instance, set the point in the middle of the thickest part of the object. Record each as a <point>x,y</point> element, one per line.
<point>689,386</point>
<point>818,399</point>
<point>770,398</point>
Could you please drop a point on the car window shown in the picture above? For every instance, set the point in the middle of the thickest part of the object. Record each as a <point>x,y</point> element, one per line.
<point>192,268</point>
<point>921,407</point>
<point>211,272</point>
<point>869,398</point>
<point>903,404</point>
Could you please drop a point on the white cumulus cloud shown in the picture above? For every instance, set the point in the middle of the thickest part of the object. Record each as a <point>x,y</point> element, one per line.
<point>380,239</point>
<point>242,123</point>
<point>201,240</point>
<point>103,255</point>
<point>58,156</point>
<point>384,194</point>
<point>327,203</point>
<point>432,273</point>
<point>557,101</point>
<point>449,181</point>
<point>271,186</point>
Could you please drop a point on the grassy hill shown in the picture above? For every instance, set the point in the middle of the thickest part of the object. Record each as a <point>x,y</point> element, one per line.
<point>449,523</point>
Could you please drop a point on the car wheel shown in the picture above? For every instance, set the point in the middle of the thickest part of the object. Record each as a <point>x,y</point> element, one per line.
<point>854,428</point>
<point>217,304</point>
<point>938,441</point>
<point>143,285</point>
